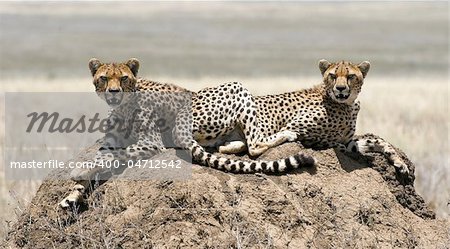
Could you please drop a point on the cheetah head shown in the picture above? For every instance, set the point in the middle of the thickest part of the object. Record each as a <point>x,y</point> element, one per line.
<point>343,80</point>
<point>112,80</point>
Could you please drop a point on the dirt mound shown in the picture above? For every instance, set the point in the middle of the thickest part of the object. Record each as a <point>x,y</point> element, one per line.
<point>340,203</point>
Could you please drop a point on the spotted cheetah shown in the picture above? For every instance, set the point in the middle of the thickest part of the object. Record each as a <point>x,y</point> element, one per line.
<point>320,117</point>
<point>146,115</point>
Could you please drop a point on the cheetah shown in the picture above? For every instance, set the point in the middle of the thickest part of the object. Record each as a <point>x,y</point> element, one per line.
<point>147,115</point>
<point>320,117</point>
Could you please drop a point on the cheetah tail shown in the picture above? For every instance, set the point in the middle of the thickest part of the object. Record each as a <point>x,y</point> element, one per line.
<point>238,166</point>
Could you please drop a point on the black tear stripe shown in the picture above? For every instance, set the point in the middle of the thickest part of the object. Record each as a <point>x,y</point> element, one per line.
<point>347,74</point>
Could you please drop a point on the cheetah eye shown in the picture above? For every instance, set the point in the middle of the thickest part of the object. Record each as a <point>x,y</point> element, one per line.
<point>103,78</point>
<point>351,76</point>
<point>332,76</point>
<point>124,78</point>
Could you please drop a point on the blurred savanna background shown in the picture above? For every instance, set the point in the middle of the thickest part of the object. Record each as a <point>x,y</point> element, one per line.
<point>269,47</point>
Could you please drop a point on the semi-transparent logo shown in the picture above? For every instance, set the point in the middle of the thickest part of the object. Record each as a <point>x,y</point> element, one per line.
<point>67,135</point>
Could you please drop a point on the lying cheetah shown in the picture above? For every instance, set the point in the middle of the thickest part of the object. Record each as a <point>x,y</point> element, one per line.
<point>321,117</point>
<point>146,114</point>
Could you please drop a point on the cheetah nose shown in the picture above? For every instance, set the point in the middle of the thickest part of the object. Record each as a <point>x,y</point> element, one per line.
<point>341,88</point>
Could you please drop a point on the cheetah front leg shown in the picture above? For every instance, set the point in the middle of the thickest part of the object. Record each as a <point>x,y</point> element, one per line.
<point>115,140</point>
<point>144,148</point>
<point>370,143</point>
<point>84,176</point>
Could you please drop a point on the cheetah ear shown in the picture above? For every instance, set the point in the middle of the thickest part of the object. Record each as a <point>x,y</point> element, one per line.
<point>133,64</point>
<point>364,67</point>
<point>324,65</point>
<point>94,65</point>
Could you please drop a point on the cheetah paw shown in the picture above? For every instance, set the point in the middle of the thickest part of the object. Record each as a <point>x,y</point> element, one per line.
<point>290,136</point>
<point>401,166</point>
<point>258,150</point>
<point>76,196</point>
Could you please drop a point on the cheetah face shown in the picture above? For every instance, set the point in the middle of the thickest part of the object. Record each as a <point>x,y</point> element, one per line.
<point>343,80</point>
<point>113,80</point>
